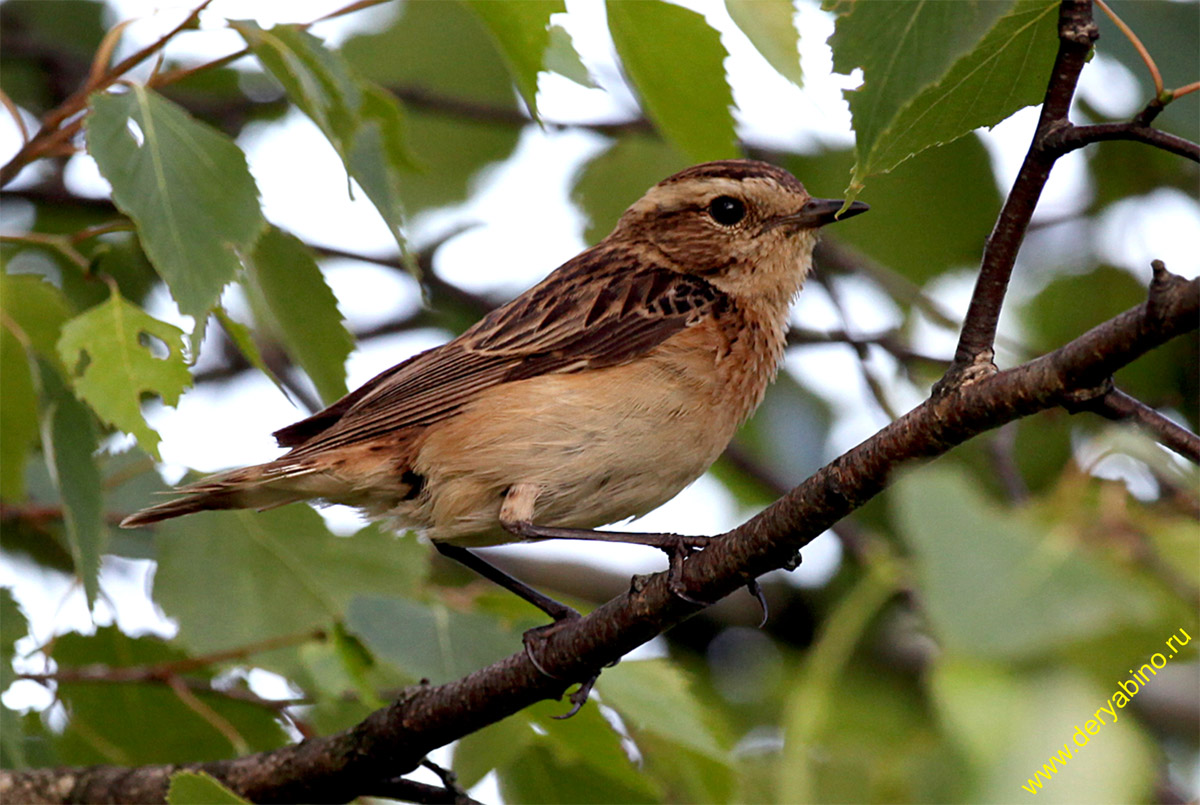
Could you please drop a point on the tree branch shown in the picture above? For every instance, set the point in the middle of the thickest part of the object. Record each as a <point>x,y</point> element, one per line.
<point>973,357</point>
<point>394,739</point>
<point>1119,406</point>
<point>1074,137</point>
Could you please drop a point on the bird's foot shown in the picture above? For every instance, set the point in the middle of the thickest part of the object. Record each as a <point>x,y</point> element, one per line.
<point>539,634</point>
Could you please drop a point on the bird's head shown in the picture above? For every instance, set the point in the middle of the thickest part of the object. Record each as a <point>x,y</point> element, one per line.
<point>746,226</point>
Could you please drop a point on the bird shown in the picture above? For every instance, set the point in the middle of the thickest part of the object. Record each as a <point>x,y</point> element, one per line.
<point>593,397</point>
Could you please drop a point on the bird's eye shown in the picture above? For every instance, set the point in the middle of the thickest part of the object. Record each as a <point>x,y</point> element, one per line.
<point>726,210</point>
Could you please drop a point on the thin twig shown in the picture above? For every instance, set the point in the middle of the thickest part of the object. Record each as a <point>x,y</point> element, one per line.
<point>15,113</point>
<point>1137,45</point>
<point>1118,405</point>
<point>1075,137</point>
<point>50,136</point>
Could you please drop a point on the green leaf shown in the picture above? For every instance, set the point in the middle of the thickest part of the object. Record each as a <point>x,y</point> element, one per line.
<point>280,572</point>
<point>540,774</point>
<point>655,697</point>
<point>940,80</point>
<point>677,63</point>
<point>563,59</point>
<point>187,188</point>
<point>1004,588</point>
<point>451,152</point>
<point>360,120</point>
<point>290,289</point>
<point>379,157</point>
<point>953,189</point>
<point>110,352</point>
<point>197,788</point>
<point>69,444</point>
<point>13,626</point>
<point>18,414</point>
<point>521,29</point>
<point>878,743</point>
<point>38,309</point>
<point>617,177</point>
<point>111,722</point>
<point>532,751</point>
<point>1030,716</point>
<point>770,26</point>
<point>243,339</point>
<point>429,641</point>
<point>315,78</point>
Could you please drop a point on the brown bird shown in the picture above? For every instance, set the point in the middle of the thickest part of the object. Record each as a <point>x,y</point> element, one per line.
<point>595,396</point>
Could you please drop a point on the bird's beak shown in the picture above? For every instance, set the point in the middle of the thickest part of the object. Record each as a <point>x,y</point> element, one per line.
<point>818,212</point>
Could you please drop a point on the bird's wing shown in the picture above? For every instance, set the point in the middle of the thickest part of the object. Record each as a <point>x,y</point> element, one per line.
<point>597,310</point>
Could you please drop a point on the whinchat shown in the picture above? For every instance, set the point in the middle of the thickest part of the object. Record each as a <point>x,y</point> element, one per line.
<point>595,396</point>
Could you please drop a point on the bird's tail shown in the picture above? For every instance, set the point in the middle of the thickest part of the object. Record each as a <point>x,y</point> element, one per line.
<point>263,486</point>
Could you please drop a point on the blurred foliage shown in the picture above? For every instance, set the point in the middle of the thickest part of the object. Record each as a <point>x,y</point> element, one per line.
<point>984,606</point>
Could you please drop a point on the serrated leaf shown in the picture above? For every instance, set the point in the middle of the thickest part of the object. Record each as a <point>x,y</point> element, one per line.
<point>288,284</point>
<point>197,788</point>
<point>677,64</point>
<point>111,367</point>
<point>923,95</point>
<point>315,78</point>
<point>280,572</point>
<point>379,157</point>
<point>18,414</point>
<point>361,121</point>
<point>185,185</point>
<point>521,29</point>
<point>770,26</point>
<point>429,641</point>
<point>655,696</point>
<point>69,444</point>
<point>563,59</point>
<point>243,339</point>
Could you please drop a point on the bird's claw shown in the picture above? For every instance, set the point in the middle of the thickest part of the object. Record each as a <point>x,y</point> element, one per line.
<point>756,590</point>
<point>539,634</point>
<point>579,698</point>
<point>681,548</point>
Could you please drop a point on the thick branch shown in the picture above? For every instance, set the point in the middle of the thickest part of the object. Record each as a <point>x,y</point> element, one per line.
<point>394,739</point>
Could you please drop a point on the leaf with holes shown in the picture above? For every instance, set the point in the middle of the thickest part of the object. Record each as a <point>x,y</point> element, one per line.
<point>110,352</point>
<point>185,185</point>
